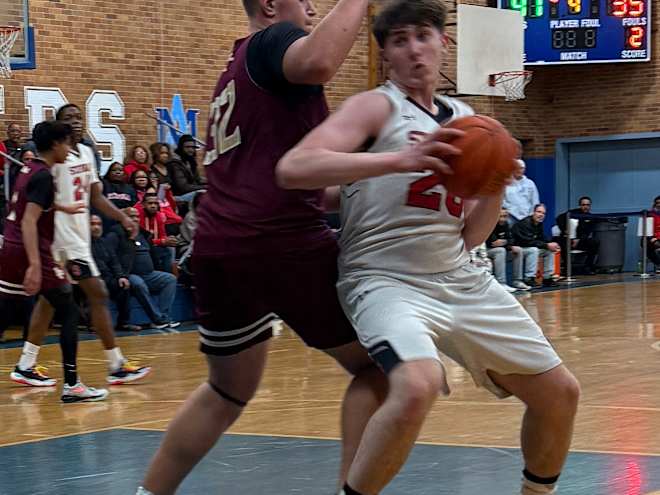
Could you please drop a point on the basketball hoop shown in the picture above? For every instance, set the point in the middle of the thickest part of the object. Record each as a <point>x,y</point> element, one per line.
<point>8,36</point>
<point>512,82</point>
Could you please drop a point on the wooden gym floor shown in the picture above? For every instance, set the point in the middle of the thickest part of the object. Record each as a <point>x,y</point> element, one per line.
<point>286,441</point>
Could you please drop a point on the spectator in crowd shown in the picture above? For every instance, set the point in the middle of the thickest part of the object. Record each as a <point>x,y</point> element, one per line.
<point>14,142</point>
<point>653,243</point>
<point>161,155</point>
<point>167,203</point>
<point>137,258</point>
<point>115,188</point>
<point>499,244</point>
<point>140,182</point>
<point>139,161</point>
<point>153,221</point>
<point>186,181</point>
<point>584,238</point>
<point>528,234</point>
<point>112,273</point>
<point>190,220</point>
<point>521,195</point>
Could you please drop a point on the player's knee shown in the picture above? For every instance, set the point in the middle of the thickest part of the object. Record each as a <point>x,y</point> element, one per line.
<point>97,292</point>
<point>416,392</point>
<point>561,396</point>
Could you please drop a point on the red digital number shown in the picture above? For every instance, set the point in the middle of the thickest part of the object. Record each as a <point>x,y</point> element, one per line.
<point>635,37</point>
<point>635,8</point>
<point>419,197</point>
<point>618,8</point>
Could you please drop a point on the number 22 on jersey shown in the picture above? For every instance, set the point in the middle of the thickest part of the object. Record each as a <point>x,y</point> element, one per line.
<point>219,141</point>
<point>420,196</point>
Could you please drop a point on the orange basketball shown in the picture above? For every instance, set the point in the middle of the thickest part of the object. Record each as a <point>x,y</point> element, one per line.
<point>487,158</point>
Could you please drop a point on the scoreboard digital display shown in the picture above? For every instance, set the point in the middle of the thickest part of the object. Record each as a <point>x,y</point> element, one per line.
<point>584,31</point>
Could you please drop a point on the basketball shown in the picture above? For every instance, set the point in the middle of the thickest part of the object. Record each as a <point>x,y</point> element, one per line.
<point>487,158</point>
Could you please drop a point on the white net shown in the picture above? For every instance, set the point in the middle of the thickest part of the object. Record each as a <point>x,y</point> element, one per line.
<point>513,83</point>
<point>8,36</point>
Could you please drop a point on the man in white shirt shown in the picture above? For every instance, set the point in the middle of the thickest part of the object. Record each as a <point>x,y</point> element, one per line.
<point>520,196</point>
<point>77,184</point>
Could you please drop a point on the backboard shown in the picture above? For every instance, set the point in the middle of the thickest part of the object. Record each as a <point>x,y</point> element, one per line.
<point>15,13</point>
<point>488,41</point>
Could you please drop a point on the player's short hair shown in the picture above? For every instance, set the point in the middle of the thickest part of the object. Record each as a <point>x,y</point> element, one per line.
<point>398,13</point>
<point>251,7</point>
<point>60,111</point>
<point>46,134</point>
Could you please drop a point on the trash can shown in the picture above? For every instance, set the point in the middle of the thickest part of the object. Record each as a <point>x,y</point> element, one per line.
<point>611,232</point>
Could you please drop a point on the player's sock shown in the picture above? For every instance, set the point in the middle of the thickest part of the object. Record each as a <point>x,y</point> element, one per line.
<point>64,303</point>
<point>115,358</point>
<point>70,374</point>
<point>347,490</point>
<point>28,356</point>
<point>536,485</point>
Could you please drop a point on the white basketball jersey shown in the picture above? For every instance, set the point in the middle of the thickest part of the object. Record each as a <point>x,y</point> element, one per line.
<point>73,183</point>
<point>403,222</point>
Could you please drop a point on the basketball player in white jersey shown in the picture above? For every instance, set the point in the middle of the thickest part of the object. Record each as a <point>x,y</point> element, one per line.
<point>77,183</point>
<point>405,277</point>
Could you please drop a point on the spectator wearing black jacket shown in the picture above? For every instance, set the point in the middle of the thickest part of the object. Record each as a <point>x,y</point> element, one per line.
<point>112,273</point>
<point>138,260</point>
<point>115,188</point>
<point>528,234</point>
<point>584,236</point>
<point>184,171</point>
<point>499,243</point>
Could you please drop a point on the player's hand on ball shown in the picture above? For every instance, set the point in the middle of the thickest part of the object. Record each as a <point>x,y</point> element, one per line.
<point>32,280</point>
<point>429,152</point>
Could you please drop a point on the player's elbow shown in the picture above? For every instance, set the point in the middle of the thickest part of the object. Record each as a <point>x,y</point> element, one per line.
<point>288,173</point>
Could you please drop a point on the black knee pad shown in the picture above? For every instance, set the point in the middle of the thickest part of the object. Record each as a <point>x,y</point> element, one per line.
<point>60,297</point>
<point>226,396</point>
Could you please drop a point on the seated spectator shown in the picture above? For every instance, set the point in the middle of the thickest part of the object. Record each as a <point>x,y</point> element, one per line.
<point>186,181</point>
<point>584,239</point>
<point>140,182</point>
<point>528,234</point>
<point>499,243</point>
<point>119,193</point>
<point>139,161</point>
<point>14,142</point>
<point>190,220</point>
<point>653,243</point>
<point>521,195</point>
<point>112,273</point>
<point>153,221</point>
<point>167,203</point>
<point>161,155</point>
<point>138,259</point>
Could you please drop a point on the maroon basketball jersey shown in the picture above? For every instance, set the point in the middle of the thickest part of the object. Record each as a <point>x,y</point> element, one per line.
<point>40,192</point>
<point>250,129</point>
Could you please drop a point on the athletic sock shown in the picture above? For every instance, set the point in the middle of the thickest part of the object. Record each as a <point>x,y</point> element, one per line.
<point>347,490</point>
<point>115,358</point>
<point>536,485</point>
<point>70,374</point>
<point>28,356</point>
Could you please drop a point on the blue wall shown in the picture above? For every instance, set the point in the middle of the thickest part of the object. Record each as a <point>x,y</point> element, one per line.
<point>542,172</point>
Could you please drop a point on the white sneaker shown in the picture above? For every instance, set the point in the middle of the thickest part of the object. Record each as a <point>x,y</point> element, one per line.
<point>508,288</point>
<point>142,491</point>
<point>520,285</point>
<point>82,393</point>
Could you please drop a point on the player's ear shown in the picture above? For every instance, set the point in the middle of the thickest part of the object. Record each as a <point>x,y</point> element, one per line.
<point>445,42</point>
<point>268,8</point>
<point>383,56</point>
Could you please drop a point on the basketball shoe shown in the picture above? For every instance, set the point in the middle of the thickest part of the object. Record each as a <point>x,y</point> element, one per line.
<point>128,373</point>
<point>82,393</point>
<point>34,377</point>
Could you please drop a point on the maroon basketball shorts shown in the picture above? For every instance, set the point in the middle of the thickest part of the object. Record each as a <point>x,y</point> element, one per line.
<point>238,298</point>
<point>14,264</point>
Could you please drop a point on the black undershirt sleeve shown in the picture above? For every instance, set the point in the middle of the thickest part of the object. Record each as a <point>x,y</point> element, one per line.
<point>40,189</point>
<point>265,58</point>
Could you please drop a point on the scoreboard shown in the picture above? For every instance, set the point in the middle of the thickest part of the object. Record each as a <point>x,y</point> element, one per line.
<point>584,31</point>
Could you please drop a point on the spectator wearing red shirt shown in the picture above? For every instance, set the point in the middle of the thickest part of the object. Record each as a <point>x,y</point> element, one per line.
<point>139,161</point>
<point>167,202</point>
<point>153,221</point>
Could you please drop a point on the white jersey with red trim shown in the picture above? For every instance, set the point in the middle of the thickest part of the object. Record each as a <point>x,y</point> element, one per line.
<point>403,222</point>
<point>73,182</point>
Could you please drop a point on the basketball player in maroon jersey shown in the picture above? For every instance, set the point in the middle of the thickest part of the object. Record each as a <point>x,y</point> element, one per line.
<point>262,252</point>
<point>27,267</point>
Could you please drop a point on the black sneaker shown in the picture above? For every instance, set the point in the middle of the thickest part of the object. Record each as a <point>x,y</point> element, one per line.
<point>550,282</point>
<point>34,377</point>
<point>532,283</point>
